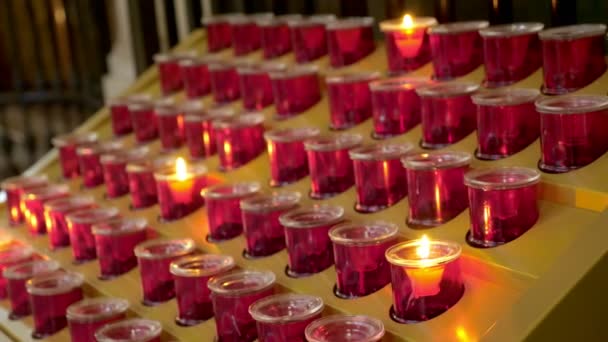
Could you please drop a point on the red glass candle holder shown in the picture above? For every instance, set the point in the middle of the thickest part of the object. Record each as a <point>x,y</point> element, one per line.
<point>573,57</point>
<point>179,189</point>
<point>225,85</point>
<point>407,42</point>
<point>573,131</point>
<point>81,235</point>
<point>198,129</point>
<point>456,48</point>
<point>426,279</point>
<point>114,166</point>
<point>115,242</point>
<point>14,188</point>
<point>55,212</point>
<point>219,31</point>
<point>142,185</point>
<point>295,90</point>
<point>33,203</point>
<point>191,275</point>
<point>507,121</point>
<point>436,187</point>
<point>256,87</point>
<point>130,330</point>
<point>89,159</point>
<point>503,204</point>
<point>144,121</point>
<point>395,105</point>
<point>154,258</point>
<point>286,153</point>
<point>50,296</point>
<point>511,52</point>
<point>448,114</point>
<point>309,248</point>
<point>330,166</point>
<point>380,179</point>
<point>263,232</point>
<point>223,209</point>
<point>11,255</point>
<point>349,40</point>
<point>67,145</point>
<point>232,294</point>
<point>88,315</point>
<point>284,317</point>
<point>246,34</point>
<point>119,113</point>
<point>195,75</point>
<point>239,139</point>
<point>309,37</point>
<point>349,98</point>
<point>16,277</point>
<point>168,70</point>
<point>359,248</point>
<point>170,124</point>
<point>275,35</point>
<point>345,328</point>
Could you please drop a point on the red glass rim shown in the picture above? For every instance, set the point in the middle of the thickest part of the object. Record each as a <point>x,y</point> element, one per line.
<point>126,100</point>
<point>271,202</point>
<point>294,71</point>
<point>510,30</point>
<point>333,142</point>
<point>571,104</point>
<point>505,96</point>
<point>292,134</point>
<point>99,148</point>
<point>249,18</point>
<point>241,282</point>
<point>286,307</point>
<point>201,60</point>
<point>398,83</point>
<point>261,68</point>
<point>190,106</point>
<point>45,192</point>
<point>397,24</point>
<point>220,18</point>
<point>325,329</point>
<point>202,265</point>
<point>68,203</point>
<point>501,178</point>
<point>436,160</point>
<point>92,215</point>
<point>211,114</point>
<point>278,20</point>
<point>381,151</point>
<point>349,23</point>
<point>312,216</point>
<point>573,32</point>
<point>247,119</point>
<point>25,182</point>
<point>313,20</point>
<point>231,190</point>
<point>96,309</point>
<point>164,248</point>
<point>173,56</point>
<point>30,269</point>
<point>352,77</point>
<point>447,89</point>
<point>54,283</point>
<point>459,27</point>
<point>75,139</point>
<point>363,233</point>
<point>193,170</point>
<point>15,253</point>
<point>129,330</point>
<point>120,226</point>
<point>117,157</point>
<point>151,165</point>
<point>440,252</point>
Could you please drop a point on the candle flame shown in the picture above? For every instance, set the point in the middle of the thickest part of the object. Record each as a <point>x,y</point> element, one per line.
<point>408,21</point>
<point>424,249</point>
<point>181,170</point>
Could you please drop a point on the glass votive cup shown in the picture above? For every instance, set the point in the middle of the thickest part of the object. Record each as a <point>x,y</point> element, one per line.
<point>309,248</point>
<point>144,121</point>
<point>256,87</point>
<point>309,37</point>
<point>67,145</point>
<point>275,35</point>
<point>456,48</point>
<point>222,203</point>
<point>573,57</point>
<point>119,112</point>
<point>225,84</point>
<point>361,268</point>
<point>130,330</point>
<point>88,315</point>
<point>349,40</point>
<point>345,328</point>
<point>14,187</point>
<point>170,124</point>
<point>50,296</point>
<point>246,34</point>
<point>232,294</point>
<point>295,89</point>
<point>219,31</point>
<point>142,185</point>
<point>168,70</point>
<point>179,190</point>
<point>263,232</point>
<point>507,121</point>
<point>81,235</point>
<point>349,98</point>
<point>286,153</point>
<point>191,274</point>
<point>198,130</point>
<point>395,105</point>
<point>16,276</point>
<point>447,112</point>
<point>114,166</point>
<point>426,279</point>
<point>89,159</point>
<point>11,255</point>
<point>195,75</point>
<point>239,139</point>
<point>407,44</point>
<point>33,201</point>
<point>380,178</point>
<point>511,52</point>
<point>436,190</point>
<point>154,258</point>
<point>573,131</point>
<point>330,166</point>
<point>115,241</point>
<point>284,317</point>
<point>502,204</point>
<point>55,212</point>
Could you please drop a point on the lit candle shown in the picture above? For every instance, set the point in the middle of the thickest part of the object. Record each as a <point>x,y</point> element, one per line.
<point>407,42</point>
<point>425,280</point>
